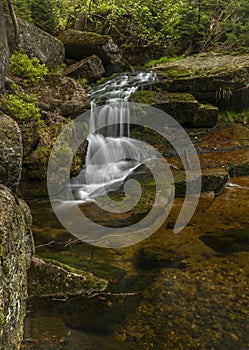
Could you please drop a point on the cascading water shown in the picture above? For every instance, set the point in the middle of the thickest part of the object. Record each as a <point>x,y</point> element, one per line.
<point>112,155</point>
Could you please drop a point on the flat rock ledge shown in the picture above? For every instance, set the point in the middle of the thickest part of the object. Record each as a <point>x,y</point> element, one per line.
<point>51,279</point>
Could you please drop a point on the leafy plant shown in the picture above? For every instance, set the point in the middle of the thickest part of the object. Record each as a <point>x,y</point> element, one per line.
<point>28,68</point>
<point>237,117</point>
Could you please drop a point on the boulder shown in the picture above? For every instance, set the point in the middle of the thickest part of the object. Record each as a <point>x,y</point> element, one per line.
<point>49,278</point>
<point>10,152</point>
<point>80,45</point>
<point>61,95</point>
<point>16,249</point>
<point>183,107</point>
<point>215,78</point>
<point>37,43</point>
<point>90,68</point>
<point>212,180</point>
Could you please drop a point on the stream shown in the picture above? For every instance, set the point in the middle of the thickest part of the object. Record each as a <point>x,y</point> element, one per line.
<point>186,290</point>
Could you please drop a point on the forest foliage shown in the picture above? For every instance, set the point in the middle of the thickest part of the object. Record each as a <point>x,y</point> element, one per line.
<point>167,27</point>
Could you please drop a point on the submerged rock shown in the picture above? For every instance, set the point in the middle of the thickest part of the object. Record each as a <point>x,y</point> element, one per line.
<point>211,180</point>
<point>10,152</point>
<point>80,45</point>
<point>37,43</point>
<point>49,278</point>
<point>149,258</point>
<point>16,249</point>
<point>90,68</point>
<point>215,78</point>
<point>183,107</point>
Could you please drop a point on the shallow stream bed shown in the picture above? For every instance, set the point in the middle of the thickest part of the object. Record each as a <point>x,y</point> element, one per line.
<point>172,291</point>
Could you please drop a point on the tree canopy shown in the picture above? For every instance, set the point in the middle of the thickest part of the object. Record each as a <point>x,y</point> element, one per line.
<point>164,26</point>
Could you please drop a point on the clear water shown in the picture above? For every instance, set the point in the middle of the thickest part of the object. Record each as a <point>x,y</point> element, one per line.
<point>197,298</point>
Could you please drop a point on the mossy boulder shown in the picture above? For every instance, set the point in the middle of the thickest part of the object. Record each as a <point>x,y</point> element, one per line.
<point>181,106</point>
<point>16,249</point>
<point>80,45</point>
<point>50,278</point>
<point>215,78</point>
<point>90,68</point>
<point>37,43</point>
<point>10,152</point>
<point>61,95</point>
<point>211,180</point>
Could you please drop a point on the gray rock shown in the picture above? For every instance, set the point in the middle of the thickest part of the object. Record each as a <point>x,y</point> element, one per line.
<point>4,49</point>
<point>215,78</point>
<point>16,249</point>
<point>80,45</point>
<point>90,68</point>
<point>183,107</point>
<point>62,95</point>
<point>37,43</point>
<point>10,152</point>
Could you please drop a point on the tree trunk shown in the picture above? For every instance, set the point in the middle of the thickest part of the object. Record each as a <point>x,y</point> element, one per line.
<point>4,49</point>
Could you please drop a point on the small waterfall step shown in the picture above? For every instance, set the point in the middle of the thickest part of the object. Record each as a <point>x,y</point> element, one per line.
<point>112,155</point>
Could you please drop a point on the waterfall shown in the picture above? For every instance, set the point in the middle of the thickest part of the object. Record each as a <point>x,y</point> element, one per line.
<point>112,154</point>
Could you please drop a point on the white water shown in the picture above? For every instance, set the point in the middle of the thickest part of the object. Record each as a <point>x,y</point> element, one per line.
<point>112,155</point>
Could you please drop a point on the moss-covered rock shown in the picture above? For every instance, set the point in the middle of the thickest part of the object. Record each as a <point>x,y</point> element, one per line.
<point>212,180</point>
<point>16,249</point>
<point>49,278</point>
<point>10,152</point>
<point>213,78</point>
<point>61,95</point>
<point>181,106</point>
<point>80,45</point>
<point>37,43</point>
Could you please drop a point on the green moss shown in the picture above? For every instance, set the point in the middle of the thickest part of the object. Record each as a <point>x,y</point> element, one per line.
<point>50,278</point>
<point>83,82</point>
<point>163,59</point>
<point>2,262</point>
<point>144,96</point>
<point>98,269</point>
<point>30,69</point>
<point>23,108</point>
<point>173,72</point>
<point>76,37</point>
